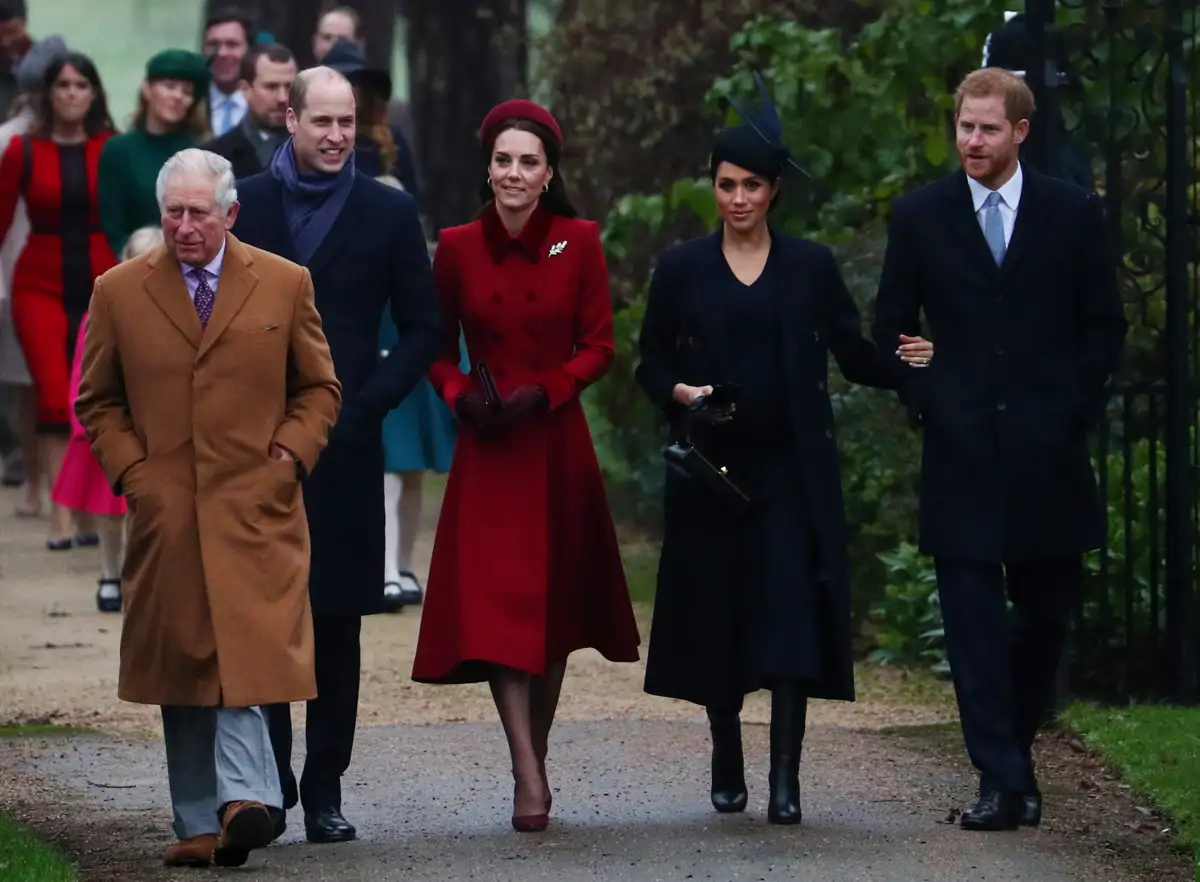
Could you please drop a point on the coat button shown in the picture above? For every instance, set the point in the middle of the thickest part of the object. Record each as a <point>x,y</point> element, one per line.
<point>829,433</point>
<point>1000,405</point>
<point>497,336</point>
<point>999,350</point>
<point>533,336</point>
<point>817,336</point>
<point>530,296</point>
<point>821,385</point>
<point>496,297</point>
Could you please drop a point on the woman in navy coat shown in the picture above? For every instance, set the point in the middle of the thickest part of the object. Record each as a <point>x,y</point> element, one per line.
<point>760,600</point>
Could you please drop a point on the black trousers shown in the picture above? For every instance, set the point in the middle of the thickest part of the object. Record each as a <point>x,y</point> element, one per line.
<point>330,719</point>
<point>1005,666</point>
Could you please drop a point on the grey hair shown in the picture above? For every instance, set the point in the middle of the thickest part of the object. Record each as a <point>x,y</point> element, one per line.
<point>195,161</point>
<point>140,241</point>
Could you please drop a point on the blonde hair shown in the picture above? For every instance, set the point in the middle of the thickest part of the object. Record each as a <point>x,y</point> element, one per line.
<point>996,82</point>
<point>141,241</point>
<point>391,181</point>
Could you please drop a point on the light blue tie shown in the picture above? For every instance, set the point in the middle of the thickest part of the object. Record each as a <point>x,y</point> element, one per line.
<point>993,227</point>
<point>226,122</point>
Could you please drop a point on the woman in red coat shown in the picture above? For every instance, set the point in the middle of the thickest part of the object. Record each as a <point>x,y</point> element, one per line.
<point>525,565</point>
<point>54,168</point>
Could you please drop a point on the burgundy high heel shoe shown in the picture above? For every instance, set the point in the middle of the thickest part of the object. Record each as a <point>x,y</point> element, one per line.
<point>531,823</point>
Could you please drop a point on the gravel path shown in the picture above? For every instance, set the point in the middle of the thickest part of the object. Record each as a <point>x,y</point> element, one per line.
<point>429,791</point>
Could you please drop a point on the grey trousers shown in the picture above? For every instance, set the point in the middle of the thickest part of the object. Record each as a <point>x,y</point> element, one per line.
<point>217,755</point>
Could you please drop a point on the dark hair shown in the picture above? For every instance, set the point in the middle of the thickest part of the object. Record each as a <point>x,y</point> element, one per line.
<point>275,52</point>
<point>10,9</point>
<point>555,199</point>
<point>232,13</point>
<point>350,12</point>
<point>371,119</point>
<point>97,120</point>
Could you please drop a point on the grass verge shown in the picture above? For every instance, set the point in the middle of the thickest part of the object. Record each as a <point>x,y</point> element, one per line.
<point>24,859</point>
<point>38,730</point>
<point>1157,750</point>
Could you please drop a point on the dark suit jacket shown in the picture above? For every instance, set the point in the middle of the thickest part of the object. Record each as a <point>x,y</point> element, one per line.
<point>374,258</point>
<point>1023,355</point>
<point>236,147</point>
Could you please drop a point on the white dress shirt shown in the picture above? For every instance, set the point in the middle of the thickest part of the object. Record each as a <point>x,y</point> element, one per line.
<point>212,273</point>
<point>1010,198</point>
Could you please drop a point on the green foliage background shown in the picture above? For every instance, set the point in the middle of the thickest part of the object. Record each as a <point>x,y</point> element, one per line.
<point>865,92</point>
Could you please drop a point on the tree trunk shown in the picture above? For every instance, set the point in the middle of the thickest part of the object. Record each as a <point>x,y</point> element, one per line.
<point>463,59</point>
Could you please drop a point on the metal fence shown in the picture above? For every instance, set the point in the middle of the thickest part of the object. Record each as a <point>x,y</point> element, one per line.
<point>1116,86</point>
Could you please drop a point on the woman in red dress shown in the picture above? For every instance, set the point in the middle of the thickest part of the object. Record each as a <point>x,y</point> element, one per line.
<point>525,565</point>
<point>54,168</point>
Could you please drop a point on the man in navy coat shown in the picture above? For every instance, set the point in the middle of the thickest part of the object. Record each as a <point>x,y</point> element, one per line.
<point>1018,284</point>
<point>363,245</point>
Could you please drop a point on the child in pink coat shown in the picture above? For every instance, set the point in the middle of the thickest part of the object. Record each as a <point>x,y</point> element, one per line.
<point>81,485</point>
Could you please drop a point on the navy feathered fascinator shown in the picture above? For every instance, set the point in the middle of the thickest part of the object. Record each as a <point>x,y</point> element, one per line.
<point>756,145</point>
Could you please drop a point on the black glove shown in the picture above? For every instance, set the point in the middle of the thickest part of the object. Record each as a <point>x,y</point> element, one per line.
<point>704,411</point>
<point>471,408</point>
<point>522,403</point>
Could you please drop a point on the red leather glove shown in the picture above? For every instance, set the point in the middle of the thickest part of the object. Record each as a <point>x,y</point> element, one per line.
<point>471,408</point>
<point>522,403</point>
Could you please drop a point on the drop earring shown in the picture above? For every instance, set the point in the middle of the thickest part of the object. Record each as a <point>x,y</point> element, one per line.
<point>489,180</point>
<point>546,188</point>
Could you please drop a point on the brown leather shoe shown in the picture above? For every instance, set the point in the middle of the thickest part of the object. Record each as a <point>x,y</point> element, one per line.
<point>247,826</point>
<point>194,852</point>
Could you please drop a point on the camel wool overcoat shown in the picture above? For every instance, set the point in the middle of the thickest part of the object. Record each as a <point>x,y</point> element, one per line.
<point>182,418</point>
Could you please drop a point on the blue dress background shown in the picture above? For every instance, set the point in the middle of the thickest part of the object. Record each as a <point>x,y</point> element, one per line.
<point>419,434</point>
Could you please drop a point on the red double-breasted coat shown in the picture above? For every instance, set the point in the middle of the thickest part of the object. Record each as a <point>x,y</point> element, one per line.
<point>525,564</point>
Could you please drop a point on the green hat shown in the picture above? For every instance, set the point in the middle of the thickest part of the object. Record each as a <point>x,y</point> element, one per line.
<point>179,64</point>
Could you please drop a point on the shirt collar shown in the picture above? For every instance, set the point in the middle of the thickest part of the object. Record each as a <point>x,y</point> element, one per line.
<point>214,267</point>
<point>216,97</point>
<point>1010,193</point>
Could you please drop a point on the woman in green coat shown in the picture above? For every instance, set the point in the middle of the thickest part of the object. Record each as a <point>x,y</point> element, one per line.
<point>170,117</point>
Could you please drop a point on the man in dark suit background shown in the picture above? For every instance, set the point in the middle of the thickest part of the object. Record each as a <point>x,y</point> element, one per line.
<point>1017,281</point>
<point>267,74</point>
<point>363,244</point>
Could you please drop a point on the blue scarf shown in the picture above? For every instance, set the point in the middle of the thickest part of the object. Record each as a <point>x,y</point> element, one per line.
<point>311,202</point>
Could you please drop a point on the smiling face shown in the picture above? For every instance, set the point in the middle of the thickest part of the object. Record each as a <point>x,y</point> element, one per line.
<point>168,101</point>
<point>225,44</point>
<point>518,169</point>
<point>323,132</point>
<point>988,142</point>
<point>743,197</point>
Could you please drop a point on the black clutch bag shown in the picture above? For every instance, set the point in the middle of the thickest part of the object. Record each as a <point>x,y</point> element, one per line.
<point>687,460</point>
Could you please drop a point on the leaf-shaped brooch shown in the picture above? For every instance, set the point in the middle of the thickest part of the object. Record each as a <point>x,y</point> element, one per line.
<point>557,248</point>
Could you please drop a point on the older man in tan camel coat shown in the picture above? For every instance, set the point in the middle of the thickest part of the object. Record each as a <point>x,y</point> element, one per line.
<point>208,392</point>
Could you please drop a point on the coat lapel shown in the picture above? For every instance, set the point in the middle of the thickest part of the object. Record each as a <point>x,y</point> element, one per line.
<point>168,290</point>
<point>965,223</point>
<point>352,216</point>
<point>1024,228</point>
<point>711,306</point>
<point>236,282</point>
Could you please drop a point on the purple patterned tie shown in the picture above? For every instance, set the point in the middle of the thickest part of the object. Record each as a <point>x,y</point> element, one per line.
<point>204,296</point>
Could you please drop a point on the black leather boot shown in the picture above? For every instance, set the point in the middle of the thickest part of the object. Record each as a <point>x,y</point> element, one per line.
<point>789,709</point>
<point>728,763</point>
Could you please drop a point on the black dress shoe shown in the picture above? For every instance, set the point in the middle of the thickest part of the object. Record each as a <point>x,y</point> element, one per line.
<point>410,589</point>
<point>108,596</point>
<point>328,825</point>
<point>1031,809</point>
<point>789,710</point>
<point>278,821</point>
<point>728,763</point>
<point>994,811</point>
